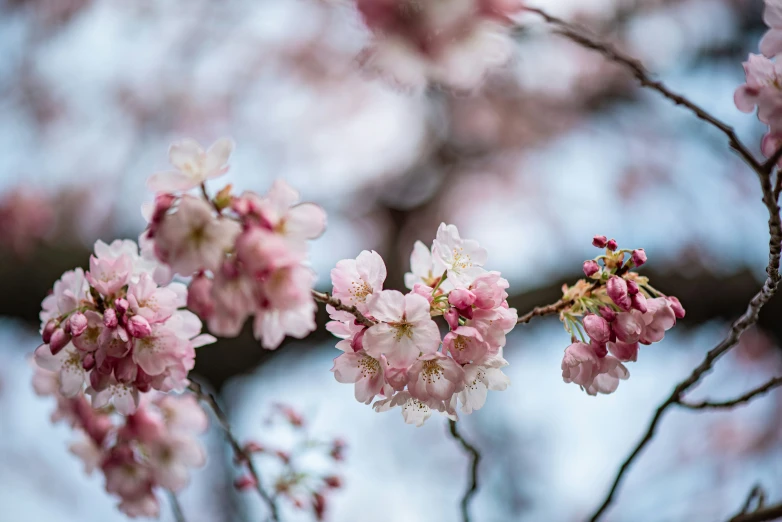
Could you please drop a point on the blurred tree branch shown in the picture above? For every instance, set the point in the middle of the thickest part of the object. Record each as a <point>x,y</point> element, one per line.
<point>768,386</point>
<point>472,486</point>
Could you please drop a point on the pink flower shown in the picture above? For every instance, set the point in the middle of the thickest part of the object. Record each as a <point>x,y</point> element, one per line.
<point>67,365</point>
<point>282,212</point>
<point>435,376</point>
<point>461,259</point>
<point>590,268</point>
<point>199,296</point>
<point>609,372</point>
<point>600,241</point>
<point>363,370</point>
<point>404,330</point>
<point>479,378</point>
<point>124,397</point>
<point>261,251</point>
<point>676,306</point>
<point>489,290</point>
<point>108,275</point>
<point>193,165</point>
<point>289,287</point>
<point>421,268</point>
<point>170,458</point>
<point>234,301</point>
<point>658,318</point>
<point>761,90</point>
<point>465,344</point>
<point>639,257</point>
<point>193,239</point>
<point>356,280</point>
<point>462,298</point>
<point>271,325</point>
<point>579,364</point>
<point>494,325</point>
<point>69,291</point>
<point>146,299</point>
<point>771,43</point>
<point>624,351</point>
<point>629,326</point>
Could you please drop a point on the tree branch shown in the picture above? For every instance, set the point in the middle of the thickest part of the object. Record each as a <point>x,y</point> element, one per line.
<point>239,452</point>
<point>760,515</point>
<point>325,298</point>
<point>763,171</point>
<point>582,37</point>
<point>472,487</point>
<point>773,383</point>
<point>540,311</point>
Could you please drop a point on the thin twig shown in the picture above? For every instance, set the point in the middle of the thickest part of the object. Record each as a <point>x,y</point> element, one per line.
<point>239,451</point>
<point>176,507</point>
<point>325,298</point>
<point>472,487</point>
<point>540,311</point>
<point>760,515</point>
<point>763,171</point>
<point>582,37</point>
<point>756,492</point>
<point>773,383</point>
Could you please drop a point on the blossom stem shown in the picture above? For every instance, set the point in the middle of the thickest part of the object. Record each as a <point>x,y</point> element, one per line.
<point>239,451</point>
<point>176,507</point>
<point>325,298</point>
<point>760,515</point>
<point>765,388</point>
<point>472,487</point>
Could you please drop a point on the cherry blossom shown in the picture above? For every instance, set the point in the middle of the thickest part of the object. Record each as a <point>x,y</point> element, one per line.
<point>356,280</point>
<point>762,91</point>
<point>404,328</point>
<point>771,43</point>
<point>461,259</point>
<point>193,165</point>
<point>363,370</point>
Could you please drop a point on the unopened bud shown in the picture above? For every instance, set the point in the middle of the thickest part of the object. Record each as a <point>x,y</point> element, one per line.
<point>612,245</point>
<point>78,322</point>
<point>599,349</point>
<point>639,257</point>
<point>244,483</point>
<point>632,287</point>
<point>138,327</point>
<point>452,318</point>
<point>591,268</point>
<point>110,318</point>
<point>676,306</point>
<point>333,481</point>
<point>600,241</point>
<point>121,305</point>
<point>639,302</point>
<point>608,313</point>
<point>58,341</point>
<point>617,291</point>
<point>88,362</point>
<point>597,328</point>
<point>48,330</point>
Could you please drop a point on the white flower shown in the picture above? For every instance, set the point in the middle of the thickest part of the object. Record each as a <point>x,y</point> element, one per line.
<point>480,378</point>
<point>194,166</point>
<point>405,328</point>
<point>356,280</point>
<point>67,365</point>
<point>462,259</point>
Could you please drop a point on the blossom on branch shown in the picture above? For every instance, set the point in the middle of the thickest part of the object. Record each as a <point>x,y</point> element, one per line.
<point>400,356</point>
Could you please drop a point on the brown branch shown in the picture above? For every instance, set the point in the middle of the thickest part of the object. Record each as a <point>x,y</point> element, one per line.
<point>540,311</point>
<point>472,487</point>
<point>239,452</point>
<point>325,298</point>
<point>763,171</point>
<point>760,515</point>
<point>773,383</point>
<point>582,37</point>
<point>758,493</point>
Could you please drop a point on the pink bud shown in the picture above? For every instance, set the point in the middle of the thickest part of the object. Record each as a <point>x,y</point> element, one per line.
<point>611,245</point>
<point>121,305</point>
<point>639,256</point>
<point>452,318</point>
<point>163,202</point>
<point>461,298</point>
<point>639,302</point>
<point>253,447</point>
<point>138,327</point>
<point>597,328</point>
<point>244,483</point>
<point>624,351</point>
<point>99,381</point>
<point>48,330</point>
<point>628,326</point>
<point>608,313</point>
<point>78,322</point>
<point>599,349</point>
<point>423,291</point>
<point>199,296</point>
<point>357,343</point>
<point>88,363</point>
<point>590,268</point>
<point>632,287</point>
<point>600,241</point>
<point>110,318</point>
<point>617,291</point>
<point>333,481</point>
<point>58,341</point>
<point>676,306</point>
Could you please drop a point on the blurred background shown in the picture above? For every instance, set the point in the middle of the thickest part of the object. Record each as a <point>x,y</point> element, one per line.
<point>554,148</point>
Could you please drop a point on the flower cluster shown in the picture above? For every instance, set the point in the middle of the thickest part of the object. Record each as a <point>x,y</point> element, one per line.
<point>247,254</point>
<point>304,476</point>
<point>618,310</point>
<point>150,449</point>
<point>763,88</point>
<point>119,329</point>
<point>401,355</point>
<point>451,43</point>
